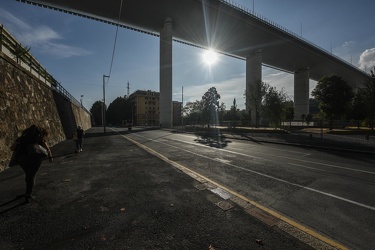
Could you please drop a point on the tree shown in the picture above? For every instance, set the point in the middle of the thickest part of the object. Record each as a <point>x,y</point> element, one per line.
<point>313,106</point>
<point>273,105</point>
<point>97,112</point>
<point>244,116</point>
<point>192,112</point>
<point>119,110</point>
<point>254,96</point>
<point>20,52</point>
<point>289,112</point>
<point>334,95</point>
<point>308,119</point>
<point>222,111</point>
<point>359,107</point>
<point>368,92</point>
<point>210,105</point>
<point>233,116</point>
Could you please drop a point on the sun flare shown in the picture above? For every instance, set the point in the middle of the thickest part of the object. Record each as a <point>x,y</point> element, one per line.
<point>209,57</point>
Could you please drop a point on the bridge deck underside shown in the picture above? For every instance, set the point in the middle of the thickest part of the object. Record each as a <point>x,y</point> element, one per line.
<point>214,24</point>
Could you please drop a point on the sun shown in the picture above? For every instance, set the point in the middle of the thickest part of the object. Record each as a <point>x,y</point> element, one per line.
<point>209,57</point>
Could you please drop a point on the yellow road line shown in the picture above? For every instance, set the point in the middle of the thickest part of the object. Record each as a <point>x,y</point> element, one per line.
<point>272,212</point>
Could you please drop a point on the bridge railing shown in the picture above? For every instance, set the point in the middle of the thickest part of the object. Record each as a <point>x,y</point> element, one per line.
<point>14,50</point>
<point>283,29</point>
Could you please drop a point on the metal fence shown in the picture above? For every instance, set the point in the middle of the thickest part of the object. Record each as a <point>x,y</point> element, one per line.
<point>14,50</point>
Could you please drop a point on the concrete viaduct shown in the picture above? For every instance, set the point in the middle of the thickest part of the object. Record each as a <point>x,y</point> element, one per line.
<point>224,27</point>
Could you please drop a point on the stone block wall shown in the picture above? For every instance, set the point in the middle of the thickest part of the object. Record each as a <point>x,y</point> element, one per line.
<point>25,100</point>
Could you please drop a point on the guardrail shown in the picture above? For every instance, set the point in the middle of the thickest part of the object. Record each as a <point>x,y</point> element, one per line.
<point>14,50</point>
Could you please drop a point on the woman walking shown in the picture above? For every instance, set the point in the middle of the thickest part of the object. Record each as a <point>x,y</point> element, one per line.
<point>30,155</point>
<point>79,138</point>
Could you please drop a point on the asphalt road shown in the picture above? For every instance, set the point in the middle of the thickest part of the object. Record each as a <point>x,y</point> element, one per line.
<point>328,191</point>
<point>116,195</point>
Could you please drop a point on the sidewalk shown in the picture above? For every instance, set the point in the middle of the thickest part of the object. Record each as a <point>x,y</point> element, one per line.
<point>115,195</point>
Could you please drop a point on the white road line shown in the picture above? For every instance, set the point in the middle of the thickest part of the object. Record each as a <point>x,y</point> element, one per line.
<point>303,166</point>
<point>284,157</point>
<point>271,177</point>
<point>275,149</point>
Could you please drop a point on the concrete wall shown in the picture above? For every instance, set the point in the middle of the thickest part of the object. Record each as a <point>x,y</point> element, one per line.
<point>25,100</point>
<point>71,115</point>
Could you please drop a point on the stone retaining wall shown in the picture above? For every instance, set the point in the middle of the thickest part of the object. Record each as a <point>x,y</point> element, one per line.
<point>25,100</point>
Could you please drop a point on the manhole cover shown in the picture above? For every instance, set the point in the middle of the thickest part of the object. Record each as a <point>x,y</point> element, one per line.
<point>201,187</point>
<point>224,205</point>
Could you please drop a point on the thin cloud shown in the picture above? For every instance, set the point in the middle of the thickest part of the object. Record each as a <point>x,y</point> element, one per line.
<point>12,21</point>
<point>348,44</point>
<point>40,38</point>
<point>62,51</point>
<point>346,51</point>
<point>367,59</point>
<point>39,35</point>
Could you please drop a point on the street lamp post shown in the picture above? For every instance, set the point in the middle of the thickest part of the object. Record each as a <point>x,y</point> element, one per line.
<point>104,119</point>
<point>182,112</point>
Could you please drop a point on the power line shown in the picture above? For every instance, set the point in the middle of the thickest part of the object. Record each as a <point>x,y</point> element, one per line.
<point>114,45</point>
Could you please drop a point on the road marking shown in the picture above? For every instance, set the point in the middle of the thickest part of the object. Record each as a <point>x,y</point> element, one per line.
<point>279,156</point>
<point>303,166</point>
<point>330,165</point>
<point>272,212</point>
<point>222,160</point>
<point>270,177</point>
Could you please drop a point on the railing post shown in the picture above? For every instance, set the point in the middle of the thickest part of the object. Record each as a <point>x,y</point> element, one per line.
<point>1,38</point>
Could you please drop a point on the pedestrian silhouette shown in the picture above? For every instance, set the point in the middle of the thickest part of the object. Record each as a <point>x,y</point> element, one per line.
<point>32,149</point>
<point>79,138</point>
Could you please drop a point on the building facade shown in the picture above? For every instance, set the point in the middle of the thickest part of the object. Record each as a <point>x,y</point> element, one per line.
<point>177,111</point>
<point>145,105</point>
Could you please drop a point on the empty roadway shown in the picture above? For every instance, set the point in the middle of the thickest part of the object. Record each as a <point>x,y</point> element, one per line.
<point>329,191</point>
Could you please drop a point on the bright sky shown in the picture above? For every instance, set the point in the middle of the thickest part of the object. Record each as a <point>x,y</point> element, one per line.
<point>77,52</point>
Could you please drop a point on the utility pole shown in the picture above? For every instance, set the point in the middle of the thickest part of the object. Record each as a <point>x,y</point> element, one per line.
<point>128,88</point>
<point>103,121</point>
<point>182,106</point>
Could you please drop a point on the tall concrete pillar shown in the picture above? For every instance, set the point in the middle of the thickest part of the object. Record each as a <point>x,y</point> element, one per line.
<point>301,93</point>
<point>165,102</point>
<point>253,76</point>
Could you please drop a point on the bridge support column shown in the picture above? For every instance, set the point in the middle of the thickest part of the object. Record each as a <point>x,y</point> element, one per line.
<point>301,93</point>
<point>253,76</point>
<point>165,102</point>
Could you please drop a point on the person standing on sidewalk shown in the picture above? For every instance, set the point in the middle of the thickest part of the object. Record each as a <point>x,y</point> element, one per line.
<point>79,138</point>
<point>29,159</point>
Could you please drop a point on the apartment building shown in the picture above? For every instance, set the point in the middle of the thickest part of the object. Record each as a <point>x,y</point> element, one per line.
<point>145,105</point>
<point>145,110</point>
